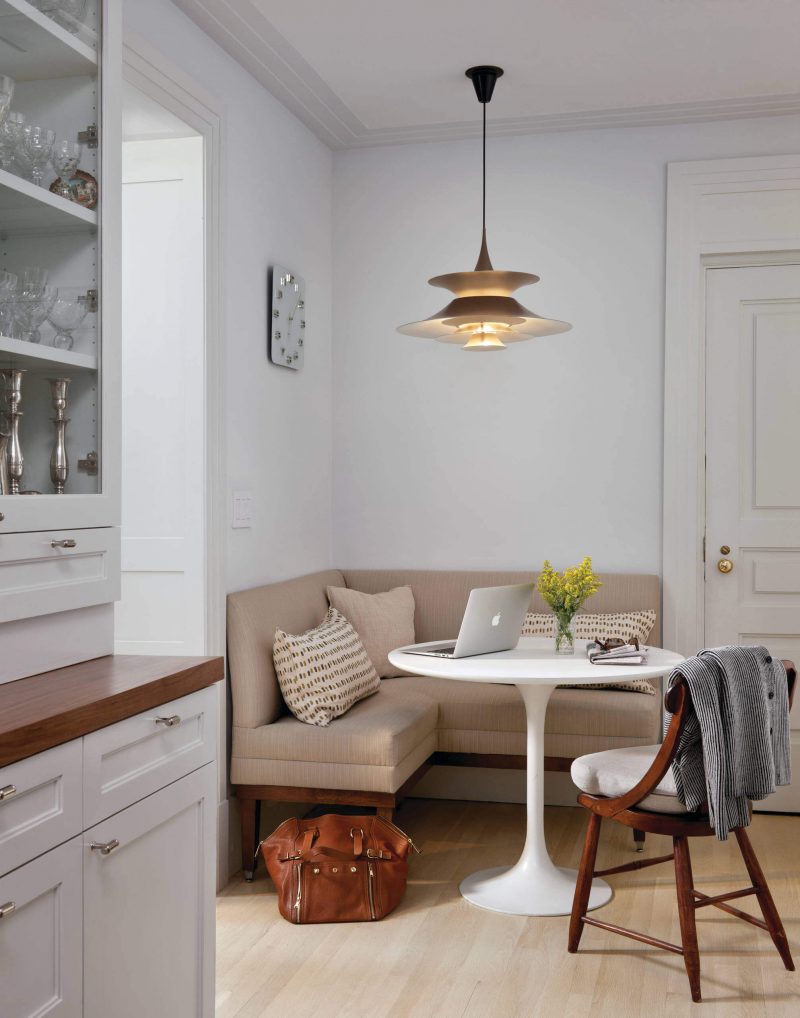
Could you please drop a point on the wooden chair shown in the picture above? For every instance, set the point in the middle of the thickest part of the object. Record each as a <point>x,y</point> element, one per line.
<point>627,809</point>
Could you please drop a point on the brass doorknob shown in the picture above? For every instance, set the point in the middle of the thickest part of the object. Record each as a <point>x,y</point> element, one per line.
<point>725,565</point>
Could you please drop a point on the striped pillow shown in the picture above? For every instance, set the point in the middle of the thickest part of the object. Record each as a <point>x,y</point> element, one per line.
<point>588,626</point>
<point>324,671</point>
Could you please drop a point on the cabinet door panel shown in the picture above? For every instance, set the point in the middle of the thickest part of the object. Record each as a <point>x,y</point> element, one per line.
<point>137,756</point>
<point>40,936</point>
<point>41,803</point>
<point>149,906</point>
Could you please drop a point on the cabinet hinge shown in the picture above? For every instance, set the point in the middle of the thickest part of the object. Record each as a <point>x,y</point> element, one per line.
<point>89,137</point>
<point>90,300</point>
<point>704,547</point>
<point>89,465</point>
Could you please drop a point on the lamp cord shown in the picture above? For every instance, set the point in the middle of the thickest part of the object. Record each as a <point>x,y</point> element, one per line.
<point>484,167</point>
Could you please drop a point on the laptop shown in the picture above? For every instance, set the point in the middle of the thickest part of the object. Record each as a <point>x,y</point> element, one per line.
<point>492,622</point>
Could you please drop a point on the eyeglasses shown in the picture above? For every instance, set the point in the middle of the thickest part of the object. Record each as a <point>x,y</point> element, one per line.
<point>614,641</point>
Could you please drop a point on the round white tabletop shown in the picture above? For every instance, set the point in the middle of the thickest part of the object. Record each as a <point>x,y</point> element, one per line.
<point>533,885</point>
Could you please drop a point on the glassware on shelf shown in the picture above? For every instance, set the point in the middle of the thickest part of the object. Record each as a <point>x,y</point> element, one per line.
<point>6,95</point>
<point>32,279</point>
<point>66,156</point>
<point>31,310</point>
<point>69,14</point>
<point>11,139</point>
<point>8,282</point>
<point>66,315</point>
<point>37,145</point>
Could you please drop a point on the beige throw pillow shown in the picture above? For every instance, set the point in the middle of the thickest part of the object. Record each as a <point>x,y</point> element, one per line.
<point>588,626</point>
<point>383,621</point>
<point>324,671</point>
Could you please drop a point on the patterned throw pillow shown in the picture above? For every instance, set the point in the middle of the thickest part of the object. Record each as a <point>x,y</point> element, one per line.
<point>588,626</point>
<point>324,671</point>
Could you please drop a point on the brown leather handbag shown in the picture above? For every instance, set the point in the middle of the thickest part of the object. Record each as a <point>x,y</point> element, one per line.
<point>337,869</point>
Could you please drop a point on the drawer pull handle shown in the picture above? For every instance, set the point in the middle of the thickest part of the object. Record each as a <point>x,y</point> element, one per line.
<point>104,847</point>
<point>7,792</point>
<point>67,542</point>
<point>170,722</point>
<point>7,909</point>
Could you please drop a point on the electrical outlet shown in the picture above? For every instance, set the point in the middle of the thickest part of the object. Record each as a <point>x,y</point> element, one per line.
<point>242,509</point>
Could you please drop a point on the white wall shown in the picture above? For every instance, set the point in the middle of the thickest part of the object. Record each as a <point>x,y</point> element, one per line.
<point>276,207</point>
<point>550,448</point>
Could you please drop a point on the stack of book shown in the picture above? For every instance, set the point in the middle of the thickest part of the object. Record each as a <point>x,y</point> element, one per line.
<point>625,654</point>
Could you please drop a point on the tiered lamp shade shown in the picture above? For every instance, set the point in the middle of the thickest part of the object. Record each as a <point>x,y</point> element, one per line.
<point>484,315</point>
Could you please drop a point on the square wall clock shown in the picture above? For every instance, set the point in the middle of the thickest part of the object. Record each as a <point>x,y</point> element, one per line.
<point>287,318</point>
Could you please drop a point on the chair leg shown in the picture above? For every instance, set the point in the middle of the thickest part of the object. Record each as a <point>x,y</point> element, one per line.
<point>686,913</point>
<point>767,905</point>
<point>638,840</point>
<point>250,812</point>
<point>583,886</point>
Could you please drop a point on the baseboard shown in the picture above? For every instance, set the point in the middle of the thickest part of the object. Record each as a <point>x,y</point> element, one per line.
<point>483,784</point>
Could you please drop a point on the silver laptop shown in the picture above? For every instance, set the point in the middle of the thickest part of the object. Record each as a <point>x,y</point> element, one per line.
<point>492,622</point>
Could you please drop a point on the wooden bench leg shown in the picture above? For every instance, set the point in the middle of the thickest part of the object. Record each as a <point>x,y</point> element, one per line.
<point>386,812</point>
<point>764,898</point>
<point>638,840</point>
<point>250,811</point>
<point>583,887</point>
<point>686,913</point>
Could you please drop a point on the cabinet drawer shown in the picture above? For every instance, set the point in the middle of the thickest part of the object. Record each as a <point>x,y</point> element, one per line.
<point>41,803</point>
<point>46,572</point>
<point>133,758</point>
<point>41,958</point>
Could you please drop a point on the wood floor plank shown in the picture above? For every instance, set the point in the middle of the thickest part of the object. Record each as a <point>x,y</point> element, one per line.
<point>437,956</point>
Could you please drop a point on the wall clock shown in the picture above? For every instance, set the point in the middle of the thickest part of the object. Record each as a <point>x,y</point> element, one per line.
<point>287,317</point>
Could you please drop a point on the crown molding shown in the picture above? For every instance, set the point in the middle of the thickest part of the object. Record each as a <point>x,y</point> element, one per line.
<point>244,33</point>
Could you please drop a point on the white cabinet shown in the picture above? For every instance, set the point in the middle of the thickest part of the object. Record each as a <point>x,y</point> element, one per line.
<point>148,919</point>
<point>112,919</point>
<point>67,78</point>
<point>40,936</point>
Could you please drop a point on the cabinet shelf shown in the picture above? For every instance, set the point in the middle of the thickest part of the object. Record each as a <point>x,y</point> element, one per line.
<point>25,206</point>
<point>32,46</point>
<point>19,354</point>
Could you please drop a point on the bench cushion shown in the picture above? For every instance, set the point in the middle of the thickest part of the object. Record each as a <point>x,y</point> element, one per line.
<point>478,717</point>
<point>616,771</point>
<point>375,746</point>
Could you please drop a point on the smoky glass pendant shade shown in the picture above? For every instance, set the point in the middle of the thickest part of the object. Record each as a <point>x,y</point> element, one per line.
<point>484,314</point>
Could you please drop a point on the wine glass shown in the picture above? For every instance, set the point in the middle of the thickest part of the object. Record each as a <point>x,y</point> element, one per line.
<point>31,310</point>
<point>6,95</point>
<point>8,282</point>
<point>10,138</point>
<point>37,144</point>
<point>32,280</point>
<point>66,156</point>
<point>66,314</point>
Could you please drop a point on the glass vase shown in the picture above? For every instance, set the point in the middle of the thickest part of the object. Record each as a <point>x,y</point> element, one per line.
<point>565,637</point>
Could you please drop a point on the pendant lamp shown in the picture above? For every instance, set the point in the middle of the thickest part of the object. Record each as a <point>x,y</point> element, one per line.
<point>484,315</point>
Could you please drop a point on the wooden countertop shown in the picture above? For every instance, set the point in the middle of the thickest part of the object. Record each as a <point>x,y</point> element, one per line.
<point>48,709</point>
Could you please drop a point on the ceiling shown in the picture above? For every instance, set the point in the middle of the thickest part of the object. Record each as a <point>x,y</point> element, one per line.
<point>360,72</point>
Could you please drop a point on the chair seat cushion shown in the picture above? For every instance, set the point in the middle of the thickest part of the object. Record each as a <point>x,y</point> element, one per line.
<point>615,771</point>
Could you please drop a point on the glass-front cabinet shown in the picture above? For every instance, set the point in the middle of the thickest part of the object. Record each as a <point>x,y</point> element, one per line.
<point>60,155</point>
<point>59,264</point>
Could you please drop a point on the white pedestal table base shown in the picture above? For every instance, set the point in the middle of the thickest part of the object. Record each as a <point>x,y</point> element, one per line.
<point>533,885</point>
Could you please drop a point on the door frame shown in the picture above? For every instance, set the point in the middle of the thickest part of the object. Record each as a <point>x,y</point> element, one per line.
<point>727,213</point>
<point>154,74</point>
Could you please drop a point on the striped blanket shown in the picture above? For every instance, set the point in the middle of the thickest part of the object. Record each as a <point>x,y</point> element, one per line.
<point>735,745</point>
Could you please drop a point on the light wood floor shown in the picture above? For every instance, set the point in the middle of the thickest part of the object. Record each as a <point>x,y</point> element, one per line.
<point>439,956</point>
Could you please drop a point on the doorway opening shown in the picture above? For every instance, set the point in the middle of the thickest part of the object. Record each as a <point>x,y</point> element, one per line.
<point>163,605</point>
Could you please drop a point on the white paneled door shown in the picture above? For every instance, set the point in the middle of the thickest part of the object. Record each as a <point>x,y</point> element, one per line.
<point>753,469</point>
<point>162,609</point>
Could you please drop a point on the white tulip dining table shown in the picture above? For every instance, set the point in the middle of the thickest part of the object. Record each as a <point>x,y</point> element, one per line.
<point>534,885</point>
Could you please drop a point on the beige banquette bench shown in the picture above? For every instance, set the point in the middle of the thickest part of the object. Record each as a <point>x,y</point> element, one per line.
<point>372,755</point>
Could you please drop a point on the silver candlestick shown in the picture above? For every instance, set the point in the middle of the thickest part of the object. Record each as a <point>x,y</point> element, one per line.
<point>59,463</point>
<point>12,379</point>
